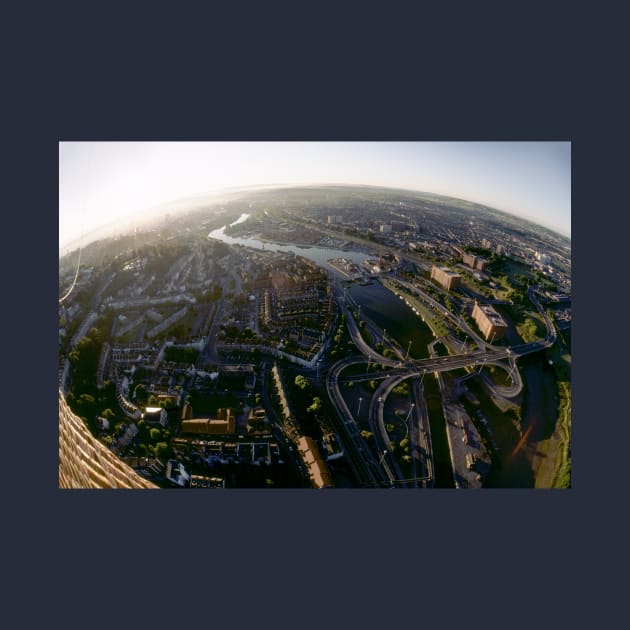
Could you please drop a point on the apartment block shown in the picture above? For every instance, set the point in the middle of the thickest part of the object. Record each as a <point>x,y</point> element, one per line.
<point>491,324</point>
<point>446,277</point>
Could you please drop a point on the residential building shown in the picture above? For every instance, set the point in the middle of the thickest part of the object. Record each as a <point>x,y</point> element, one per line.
<point>224,423</point>
<point>446,277</point>
<point>491,324</point>
<point>474,262</point>
<point>155,415</point>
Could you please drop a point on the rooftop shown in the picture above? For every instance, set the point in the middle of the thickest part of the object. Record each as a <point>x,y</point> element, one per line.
<point>448,271</point>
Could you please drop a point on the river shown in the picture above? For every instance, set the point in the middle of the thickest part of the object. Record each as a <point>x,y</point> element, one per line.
<point>319,255</point>
<point>384,308</point>
<point>387,311</point>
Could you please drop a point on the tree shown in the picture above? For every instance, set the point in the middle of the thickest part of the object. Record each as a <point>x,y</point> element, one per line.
<point>316,406</point>
<point>108,414</point>
<point>367,435</point>
<point>168,404</point>
<point>402,389</point>
<point>140,393</point>
<point>155,434</point>
<point>161,450</point>
<point>301,382</point>
<point>404,444</point>
<point>153,401</point>
<point>86,405</point>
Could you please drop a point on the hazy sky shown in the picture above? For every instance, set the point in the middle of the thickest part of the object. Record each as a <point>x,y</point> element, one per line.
<point>103,181</point>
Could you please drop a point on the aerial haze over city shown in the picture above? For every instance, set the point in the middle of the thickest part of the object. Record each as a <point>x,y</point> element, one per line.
<point>315,315</point>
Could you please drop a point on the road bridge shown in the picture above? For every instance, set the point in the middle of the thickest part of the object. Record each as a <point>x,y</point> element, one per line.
<point>485,354</point>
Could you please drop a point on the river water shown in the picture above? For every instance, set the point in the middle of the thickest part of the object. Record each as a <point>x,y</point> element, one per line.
<point>384,308</point>
<point>387,311</point>
<point>319,255</point>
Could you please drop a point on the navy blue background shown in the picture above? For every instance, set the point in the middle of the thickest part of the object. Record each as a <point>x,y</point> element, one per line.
<point>299,558</point>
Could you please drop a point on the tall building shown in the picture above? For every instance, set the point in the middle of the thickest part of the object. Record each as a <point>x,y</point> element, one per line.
<point>491,324</point>
<point>469,259</point>
<point>446,277</point>
<point>474,262</point>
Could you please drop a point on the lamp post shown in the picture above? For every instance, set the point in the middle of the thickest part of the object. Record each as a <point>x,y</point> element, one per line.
<point>382,462</point>
<point>384,333</point>
<point>359,407</point>
<point>408,348</point>
<point>407,419</point>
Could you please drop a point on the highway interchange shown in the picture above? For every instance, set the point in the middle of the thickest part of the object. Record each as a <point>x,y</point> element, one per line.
<point>384,470</point>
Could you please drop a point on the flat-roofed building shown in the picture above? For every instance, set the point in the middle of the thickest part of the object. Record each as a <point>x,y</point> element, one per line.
<point>491,324</point>
<point>469,259</point>
<point>474,262</point>
<point>481,264</point>
<point>223,424</point>
<point>446,277</point>
<point>155,415</point>
<point>318,472</point>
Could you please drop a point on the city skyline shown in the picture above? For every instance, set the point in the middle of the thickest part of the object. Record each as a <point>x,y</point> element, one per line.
<point>102,182</point>
<point>318,337</point>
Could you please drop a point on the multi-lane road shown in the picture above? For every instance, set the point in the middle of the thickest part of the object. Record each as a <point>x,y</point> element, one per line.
<point>385,471</point>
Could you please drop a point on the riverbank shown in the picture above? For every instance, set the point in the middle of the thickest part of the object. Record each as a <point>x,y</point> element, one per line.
<point>551,461</point>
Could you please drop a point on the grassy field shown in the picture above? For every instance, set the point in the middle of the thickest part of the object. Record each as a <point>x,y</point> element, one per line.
<point>557,473</point>
<point>499,376</point>
<point>562,472</point>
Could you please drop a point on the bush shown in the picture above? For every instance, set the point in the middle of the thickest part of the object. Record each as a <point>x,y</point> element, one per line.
<point>402,389</point>
<point>301,382</point>
<point>316,406</point>
<point>367,435</point>
<point>161,451</point>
